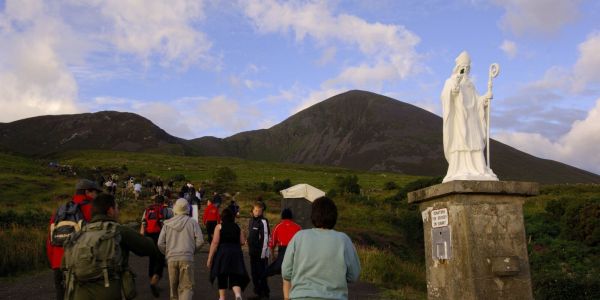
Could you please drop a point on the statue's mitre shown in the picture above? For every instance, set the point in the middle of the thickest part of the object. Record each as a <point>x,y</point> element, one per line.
<point>463,59</point>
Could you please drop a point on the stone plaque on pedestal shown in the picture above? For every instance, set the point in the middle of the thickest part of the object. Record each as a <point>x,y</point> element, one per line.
<point>475,242</point>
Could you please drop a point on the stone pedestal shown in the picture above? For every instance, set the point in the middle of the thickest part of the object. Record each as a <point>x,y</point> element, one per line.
<point>475,244</point>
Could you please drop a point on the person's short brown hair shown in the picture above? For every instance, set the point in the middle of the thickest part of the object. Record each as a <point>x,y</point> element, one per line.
<point>258,204</point>
<point>324,213</point>
<point>102,203</point>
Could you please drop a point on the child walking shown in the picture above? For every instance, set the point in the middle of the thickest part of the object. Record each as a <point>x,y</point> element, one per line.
<point>258,248</point>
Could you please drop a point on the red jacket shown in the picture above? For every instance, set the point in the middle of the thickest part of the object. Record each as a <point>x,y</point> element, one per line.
<point>211,213</point>
<point>283,233</point>
<point>55,253</point>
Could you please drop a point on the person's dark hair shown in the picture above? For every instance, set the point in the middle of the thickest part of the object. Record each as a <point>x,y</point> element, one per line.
<point>159,199</point>
<point>102,203</point>
<point>286,213</point>
<point>324,213</point>
<point>227,216</point>
<point>258,204</point>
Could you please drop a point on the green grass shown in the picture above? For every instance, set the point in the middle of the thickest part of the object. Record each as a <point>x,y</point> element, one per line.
<point>561,223</point>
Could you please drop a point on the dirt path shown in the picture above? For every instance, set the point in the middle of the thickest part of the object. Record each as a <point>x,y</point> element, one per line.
<point>40,286</point>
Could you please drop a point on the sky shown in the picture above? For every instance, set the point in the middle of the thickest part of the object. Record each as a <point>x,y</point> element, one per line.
<point>215,67</point>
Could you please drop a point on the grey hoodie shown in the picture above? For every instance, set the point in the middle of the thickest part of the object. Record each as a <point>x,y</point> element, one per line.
<point>180,238</point>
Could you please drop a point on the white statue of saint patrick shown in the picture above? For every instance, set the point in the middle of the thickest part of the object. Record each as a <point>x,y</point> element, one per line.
<point>465,125</point>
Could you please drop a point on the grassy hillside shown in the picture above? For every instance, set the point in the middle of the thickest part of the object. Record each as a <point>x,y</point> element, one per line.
<point>561,223</point>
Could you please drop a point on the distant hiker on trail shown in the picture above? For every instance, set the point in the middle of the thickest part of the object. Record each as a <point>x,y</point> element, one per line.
<point>282,235</point>
<point>234,207</point>
<point>152,223</point>
<point>96,260</point>
<point>179,239</point>
<point>320,262</point>
<point>217,199</point>
<point>258,241</point>
<point>225,258</point>
<point>137,190</point>
<point>201,192</point>
<point>68,219</point>
<point>210,219</point>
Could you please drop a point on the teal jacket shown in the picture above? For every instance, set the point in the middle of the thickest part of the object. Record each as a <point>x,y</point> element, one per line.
<point>320,263</point>
<point>131,241</point>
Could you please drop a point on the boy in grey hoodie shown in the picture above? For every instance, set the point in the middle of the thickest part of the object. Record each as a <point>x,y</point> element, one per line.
<point>179,239</point>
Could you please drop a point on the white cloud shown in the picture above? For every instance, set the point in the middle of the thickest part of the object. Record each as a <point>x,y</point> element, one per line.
<point>188,117</point>
<point>587,68</point>
<point>34,76</point>
<point>544,17</point>
<point>509,48</point>
<point>161,28</point>
<point>48,46</point>
<point>380,44</point>
<point>579,147</point>
<point>578,78</point>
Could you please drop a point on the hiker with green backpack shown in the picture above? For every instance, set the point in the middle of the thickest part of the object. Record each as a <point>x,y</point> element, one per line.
<point>68,219</point>
<point>96,258</point>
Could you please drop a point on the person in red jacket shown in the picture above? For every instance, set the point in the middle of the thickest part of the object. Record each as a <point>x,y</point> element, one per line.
<point>281,237</point>
<point>85,192</point>
<point>210,219</point>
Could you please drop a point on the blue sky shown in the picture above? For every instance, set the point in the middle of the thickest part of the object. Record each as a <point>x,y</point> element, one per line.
<point>211,67</point>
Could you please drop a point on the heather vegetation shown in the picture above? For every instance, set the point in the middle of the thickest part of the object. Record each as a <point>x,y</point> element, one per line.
<point>562,223</point>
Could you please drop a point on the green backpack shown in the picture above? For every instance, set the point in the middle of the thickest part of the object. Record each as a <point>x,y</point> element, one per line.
<point>93,254</point>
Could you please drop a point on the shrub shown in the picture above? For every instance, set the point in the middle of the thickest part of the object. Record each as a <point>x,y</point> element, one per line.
<point>279,185</point>
<point>223,179</point>
<point>347,184</point>
<point>178,178</point>
<point>390,185</point>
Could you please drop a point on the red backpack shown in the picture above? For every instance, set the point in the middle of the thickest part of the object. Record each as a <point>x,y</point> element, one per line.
<point>154,218</point>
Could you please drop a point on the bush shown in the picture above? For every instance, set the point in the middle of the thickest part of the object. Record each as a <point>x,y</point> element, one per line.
<point>178,178</point>
<point>223,179</point>
<point>390,185</point>
<point>279,185</point>
<point>347,184</point>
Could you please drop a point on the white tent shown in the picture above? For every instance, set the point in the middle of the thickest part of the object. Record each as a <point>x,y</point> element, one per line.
<point>299,199</point>
<point>303,190</point>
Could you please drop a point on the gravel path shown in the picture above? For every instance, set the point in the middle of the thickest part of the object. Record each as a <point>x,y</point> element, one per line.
<point>40,285</point>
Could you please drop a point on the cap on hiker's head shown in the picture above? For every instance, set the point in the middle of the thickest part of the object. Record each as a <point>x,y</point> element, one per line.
<point>85,184</point>
<point>180,207</point>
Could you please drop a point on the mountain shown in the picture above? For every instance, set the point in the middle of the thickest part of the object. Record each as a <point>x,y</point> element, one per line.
<point>363,130</point>
<point>106,130</point>
<point>356,129</point>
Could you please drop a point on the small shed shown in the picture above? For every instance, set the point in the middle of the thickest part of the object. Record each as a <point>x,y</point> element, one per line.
<point>298,199</point>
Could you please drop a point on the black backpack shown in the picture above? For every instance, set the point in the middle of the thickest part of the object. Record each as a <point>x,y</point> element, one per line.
<point>67,220</point>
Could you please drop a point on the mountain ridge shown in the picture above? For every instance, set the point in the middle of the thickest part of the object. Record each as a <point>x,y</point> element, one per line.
<point>355,129</point>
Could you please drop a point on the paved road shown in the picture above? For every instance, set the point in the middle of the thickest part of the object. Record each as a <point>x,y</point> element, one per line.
<point>40,285</point>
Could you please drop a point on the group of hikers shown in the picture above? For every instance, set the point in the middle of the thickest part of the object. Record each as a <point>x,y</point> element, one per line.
<point>89,250</point>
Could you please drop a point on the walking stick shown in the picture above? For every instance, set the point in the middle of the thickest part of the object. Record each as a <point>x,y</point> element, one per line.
<point>494,71</point>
